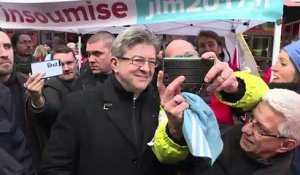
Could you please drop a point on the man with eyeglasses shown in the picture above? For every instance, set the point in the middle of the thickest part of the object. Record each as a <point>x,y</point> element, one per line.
<point>47,97</point>
<point>98,49</point>
<point>263,145</point>
<point>106,131</point>
<point>23,51</point>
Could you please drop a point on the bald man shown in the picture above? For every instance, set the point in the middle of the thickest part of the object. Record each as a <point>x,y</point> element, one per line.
<point>180,48</point>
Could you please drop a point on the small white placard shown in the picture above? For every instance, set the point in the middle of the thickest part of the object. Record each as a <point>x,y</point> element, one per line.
<point>51,68</point>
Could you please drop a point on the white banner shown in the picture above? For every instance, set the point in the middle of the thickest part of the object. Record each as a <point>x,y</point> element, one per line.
<point>161,16</point>
<point>78,17</point>
<point>35,1</point>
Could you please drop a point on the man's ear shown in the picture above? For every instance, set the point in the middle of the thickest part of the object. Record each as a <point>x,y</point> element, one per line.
<point>114,62</point>
<point>287,145</point>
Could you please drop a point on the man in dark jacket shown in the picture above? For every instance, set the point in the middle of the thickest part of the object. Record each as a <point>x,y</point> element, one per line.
<point>98,49</point>
<point>13,159</point>
<point>106,131</point>
<point>46,104</point>
<point>264,144</point>
<point>23,52</point>
<point>17,134</point>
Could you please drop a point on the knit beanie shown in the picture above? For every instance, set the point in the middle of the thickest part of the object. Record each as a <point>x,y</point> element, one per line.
<point>293,51</point>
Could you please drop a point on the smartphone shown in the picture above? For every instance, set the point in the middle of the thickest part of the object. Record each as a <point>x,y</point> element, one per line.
<point>50,68</point>
<point>194,70</point>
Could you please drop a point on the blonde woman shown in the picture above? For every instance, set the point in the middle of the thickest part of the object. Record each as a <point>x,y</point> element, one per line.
<point>40,53</point>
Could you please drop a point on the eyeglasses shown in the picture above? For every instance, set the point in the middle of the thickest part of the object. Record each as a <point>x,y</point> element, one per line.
<point>249,118</point>
<point>140,61</point>
<point>188,54</point>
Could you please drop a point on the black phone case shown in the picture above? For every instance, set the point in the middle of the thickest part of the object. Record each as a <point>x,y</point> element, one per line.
<point>194,71</point>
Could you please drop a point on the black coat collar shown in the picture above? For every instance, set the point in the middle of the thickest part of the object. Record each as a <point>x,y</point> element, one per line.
<point>118,103</point>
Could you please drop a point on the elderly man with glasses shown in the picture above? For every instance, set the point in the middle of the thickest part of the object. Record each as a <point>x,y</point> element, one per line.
<point>263,145</point>
<point>106,131</point>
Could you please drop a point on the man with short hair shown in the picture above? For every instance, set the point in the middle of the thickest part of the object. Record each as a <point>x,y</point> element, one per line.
<point>106,131</point>
<point>23,51</point>
<point>47,104</point>
<point>27,153</point>
<point>98,49</point>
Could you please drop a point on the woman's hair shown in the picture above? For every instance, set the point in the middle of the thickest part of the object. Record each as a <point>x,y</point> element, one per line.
<point>287,103</point>
<point>40,52</point>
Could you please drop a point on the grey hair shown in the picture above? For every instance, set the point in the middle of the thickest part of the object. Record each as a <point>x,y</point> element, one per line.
<point>287,103</point>
<point>132,37</point>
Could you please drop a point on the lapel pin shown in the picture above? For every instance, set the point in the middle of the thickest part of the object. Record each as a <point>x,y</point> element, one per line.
<point>106,106</point>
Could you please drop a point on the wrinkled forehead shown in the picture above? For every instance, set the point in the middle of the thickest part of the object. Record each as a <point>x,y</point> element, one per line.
<point>4,38</point>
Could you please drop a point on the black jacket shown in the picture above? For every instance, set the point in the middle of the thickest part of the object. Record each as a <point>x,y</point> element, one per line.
<point>104,132</point>
<point>55,89</point>
<point>15,156</point>
<point>234,160</point>
<point>88,80</point>
<point>9,165</point>
<point>35,135</point>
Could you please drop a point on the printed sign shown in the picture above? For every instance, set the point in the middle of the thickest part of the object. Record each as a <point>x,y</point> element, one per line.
<point>51,68</point>
<point>91,16</point>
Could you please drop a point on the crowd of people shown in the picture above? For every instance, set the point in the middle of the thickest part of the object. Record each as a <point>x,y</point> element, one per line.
<point>116,116</point>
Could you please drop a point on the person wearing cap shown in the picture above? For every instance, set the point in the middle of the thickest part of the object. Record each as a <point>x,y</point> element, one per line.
<point>287,68</point>
<point>286,75</point>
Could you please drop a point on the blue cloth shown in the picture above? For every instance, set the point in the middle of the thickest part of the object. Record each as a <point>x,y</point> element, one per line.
<point>200,129</point>
<point>293,51</point>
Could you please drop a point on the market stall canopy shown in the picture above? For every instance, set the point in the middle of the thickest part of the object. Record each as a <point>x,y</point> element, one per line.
<point>161,16</point>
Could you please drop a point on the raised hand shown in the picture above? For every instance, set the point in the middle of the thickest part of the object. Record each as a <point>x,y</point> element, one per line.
<point>220,76</point>
<point>173,103</point>
<point>34,85</point>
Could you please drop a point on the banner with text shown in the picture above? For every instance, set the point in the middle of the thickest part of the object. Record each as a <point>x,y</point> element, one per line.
<point>90,16</point>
